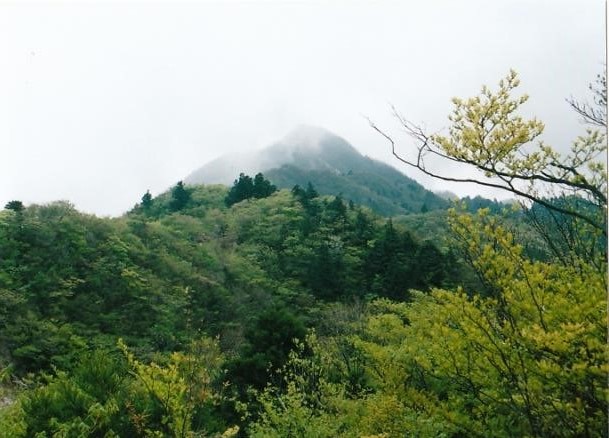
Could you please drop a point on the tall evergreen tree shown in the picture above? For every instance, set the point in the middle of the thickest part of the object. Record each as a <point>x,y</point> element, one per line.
<point>391,262</point>
<point>262,187</point>
<point>243,188</point>
<point>180,196</point>
<point>147,200</point>
<point>16,206</point>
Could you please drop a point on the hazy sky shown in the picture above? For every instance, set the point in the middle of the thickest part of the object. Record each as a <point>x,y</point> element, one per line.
<point>101,101</point>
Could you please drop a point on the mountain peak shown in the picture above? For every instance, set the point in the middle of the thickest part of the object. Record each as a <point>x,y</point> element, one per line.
<point>307,135</point>
<point>307,146</point>
<point>304,129</point>
<point>314,154</point>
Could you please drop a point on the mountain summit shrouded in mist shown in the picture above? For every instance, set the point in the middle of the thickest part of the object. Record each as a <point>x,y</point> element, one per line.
<point>332,165</point>
<point>307,147</point>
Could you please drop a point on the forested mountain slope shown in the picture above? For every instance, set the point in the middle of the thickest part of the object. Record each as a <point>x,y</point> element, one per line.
<point>255,312</point>
<point>166,274</point>
<point>310,154</point>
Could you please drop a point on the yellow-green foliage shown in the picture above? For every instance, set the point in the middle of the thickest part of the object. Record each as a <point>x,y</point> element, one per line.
<point>178,387</point>
<point>531,360</point>
<point>487,132</point>
<point>111,397</point>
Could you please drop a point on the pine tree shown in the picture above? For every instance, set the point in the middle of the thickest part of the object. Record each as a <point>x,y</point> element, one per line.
<point>147,201</point>
<point>262,187</point>
<point>179,197</point>
<point>243,188</point>
<point>16,206</point>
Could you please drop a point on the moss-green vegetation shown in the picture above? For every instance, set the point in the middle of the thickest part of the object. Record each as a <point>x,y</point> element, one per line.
<point>290,314</point>
<point>254,275</point>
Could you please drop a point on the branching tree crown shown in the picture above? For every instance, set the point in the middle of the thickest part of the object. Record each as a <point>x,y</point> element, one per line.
<point>488,134</point>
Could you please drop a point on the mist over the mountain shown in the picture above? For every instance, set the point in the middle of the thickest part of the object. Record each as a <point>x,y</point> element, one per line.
<point>307,147</point>
<point>310,154</point>
<point>186,252</point>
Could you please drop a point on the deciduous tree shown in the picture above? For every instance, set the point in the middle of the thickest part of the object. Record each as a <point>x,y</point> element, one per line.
<point>488,135</point>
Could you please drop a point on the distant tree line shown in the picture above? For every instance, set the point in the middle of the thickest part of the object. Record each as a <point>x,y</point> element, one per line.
<point>246,188</point>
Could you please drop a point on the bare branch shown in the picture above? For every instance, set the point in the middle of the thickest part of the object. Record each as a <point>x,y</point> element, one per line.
<point>594,114</point>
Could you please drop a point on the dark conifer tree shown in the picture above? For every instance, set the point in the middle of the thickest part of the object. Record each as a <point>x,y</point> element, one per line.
<point>363,228</point>
<point>268,343</point>
<point>16,206</point>
<point>431,266</point>
<point>337,208</point>
<point>243,188</point>
<point>391,270</point>
<point>147,200</point>
<point>262,187</point>
<point>180,196</point>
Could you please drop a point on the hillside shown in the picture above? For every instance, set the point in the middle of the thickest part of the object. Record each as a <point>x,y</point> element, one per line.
<point>332,165</point>
<point>252,277</point>
<point>165,319</point>
<point>255,312</point>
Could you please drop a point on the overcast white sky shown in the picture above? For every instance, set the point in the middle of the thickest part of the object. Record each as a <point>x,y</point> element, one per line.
<point>101,101</point>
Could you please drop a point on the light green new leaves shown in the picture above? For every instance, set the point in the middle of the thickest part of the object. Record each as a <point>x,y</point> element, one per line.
<point>529,360</point>
<point>487,130</point>
<point>488,133</point>
<point>533,357</point>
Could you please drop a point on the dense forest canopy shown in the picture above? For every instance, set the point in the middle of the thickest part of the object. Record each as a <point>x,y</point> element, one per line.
<point>252,311</point>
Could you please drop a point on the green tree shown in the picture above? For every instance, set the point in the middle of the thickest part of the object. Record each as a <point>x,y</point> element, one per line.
<point>326,270</point>
<point>262,187</point>
<point>514,363</point>
<point>307,197</point>
<point>109,395</point>
<point>243,188</point>
<point>527,358</point>
<point>529,361</point>
<point>16,206</point>
<point>391,263</point>
<point>87,403</point>
<point>363,228</point>
<point>269,341</point>
<point>180,196</point>
<point>490,137</point>
<point>431,266</point>
<point>337,209</point>
<point>310,191</point>
<point>174,397</point>
<point>147,201</point>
